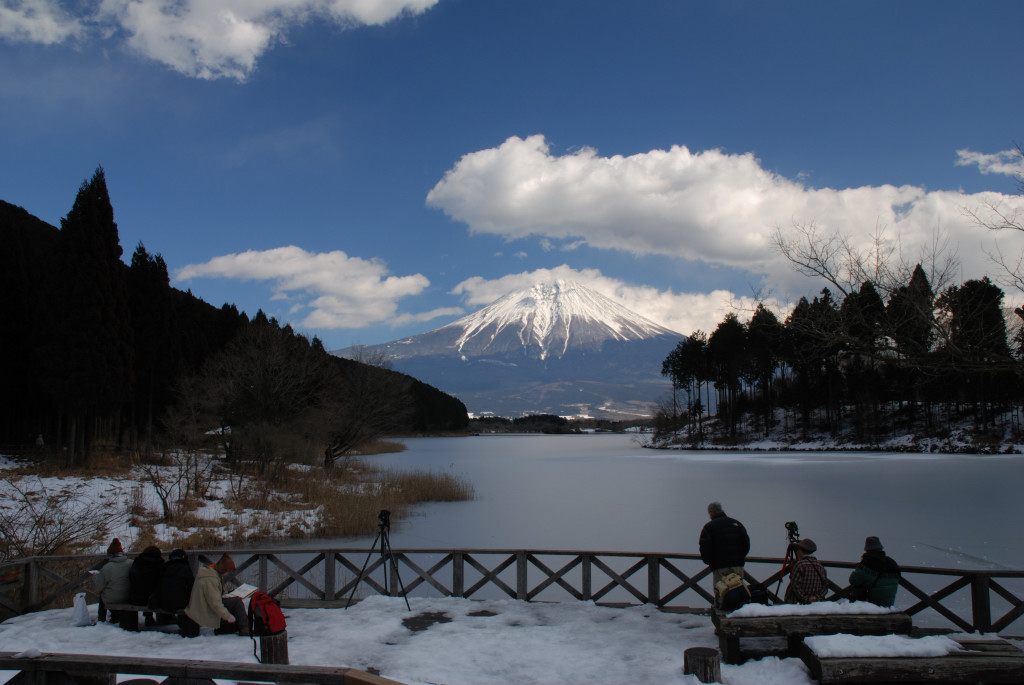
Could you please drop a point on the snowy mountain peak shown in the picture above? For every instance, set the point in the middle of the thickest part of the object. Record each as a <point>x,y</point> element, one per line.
<point>547,320</point>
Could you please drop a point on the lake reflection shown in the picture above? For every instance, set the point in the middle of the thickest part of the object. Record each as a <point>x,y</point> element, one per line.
<point>606,493</point>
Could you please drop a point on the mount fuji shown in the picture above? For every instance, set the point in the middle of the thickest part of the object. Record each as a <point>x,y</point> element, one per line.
<point>555,348</point>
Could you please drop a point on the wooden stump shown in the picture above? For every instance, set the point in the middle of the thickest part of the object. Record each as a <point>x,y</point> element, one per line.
<point>702,662</point>
<point>274,648</point>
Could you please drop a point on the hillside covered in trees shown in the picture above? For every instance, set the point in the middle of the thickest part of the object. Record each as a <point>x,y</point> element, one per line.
<point>98,352</point>
<point>891,358</point>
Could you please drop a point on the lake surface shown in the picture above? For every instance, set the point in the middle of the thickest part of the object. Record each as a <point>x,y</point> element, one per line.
<point>599,492</point>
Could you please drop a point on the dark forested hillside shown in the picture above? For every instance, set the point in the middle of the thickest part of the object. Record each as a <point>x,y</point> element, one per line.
<point>94,350</point>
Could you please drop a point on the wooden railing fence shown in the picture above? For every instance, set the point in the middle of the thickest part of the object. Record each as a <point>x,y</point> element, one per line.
<point>970,600</point>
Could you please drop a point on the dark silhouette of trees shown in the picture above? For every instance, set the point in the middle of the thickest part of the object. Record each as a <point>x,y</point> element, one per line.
<point>837,366</point>
<point>99,352</point>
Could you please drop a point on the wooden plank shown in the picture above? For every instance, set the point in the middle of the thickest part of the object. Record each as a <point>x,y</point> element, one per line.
<point>814,624</point>
<point>100,665</point>
<point>987,661</point>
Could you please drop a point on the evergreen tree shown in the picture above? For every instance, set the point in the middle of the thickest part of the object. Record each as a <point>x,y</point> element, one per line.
<point>90,375</point>
<point>765,336</point>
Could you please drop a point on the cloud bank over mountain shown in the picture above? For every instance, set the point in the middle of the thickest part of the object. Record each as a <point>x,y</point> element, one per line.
<point>707,206</point>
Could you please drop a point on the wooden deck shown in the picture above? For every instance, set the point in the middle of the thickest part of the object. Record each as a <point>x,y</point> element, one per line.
<point>983,661</point>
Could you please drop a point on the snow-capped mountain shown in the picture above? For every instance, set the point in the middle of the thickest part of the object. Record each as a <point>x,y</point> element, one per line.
<point>557,348</point>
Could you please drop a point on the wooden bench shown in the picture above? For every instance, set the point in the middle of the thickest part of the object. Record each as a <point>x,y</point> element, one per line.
<point>983,661</point>
<point>796,627</point>
<point>128,614</point>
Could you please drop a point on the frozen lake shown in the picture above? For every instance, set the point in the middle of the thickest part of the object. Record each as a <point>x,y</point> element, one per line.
<point>606,493</point>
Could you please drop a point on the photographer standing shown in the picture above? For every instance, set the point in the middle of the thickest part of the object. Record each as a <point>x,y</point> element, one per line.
<point>724,544</point>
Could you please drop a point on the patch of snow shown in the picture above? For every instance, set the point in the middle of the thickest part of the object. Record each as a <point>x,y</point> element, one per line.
<point>882,645</point>
<point>840,606</point>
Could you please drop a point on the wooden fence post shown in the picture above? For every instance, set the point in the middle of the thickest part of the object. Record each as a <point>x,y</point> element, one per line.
<point>522,586</point>
<point>329,574</point>
<point>980,602</point>
<point>458,574</point>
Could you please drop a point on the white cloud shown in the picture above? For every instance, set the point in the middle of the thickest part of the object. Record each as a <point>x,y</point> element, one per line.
<point>680,312</point>
<point>36,21</point>
<point>340,291</point>
<point>202,38</point>
<point>1007,162</point>
<point>708,206</point>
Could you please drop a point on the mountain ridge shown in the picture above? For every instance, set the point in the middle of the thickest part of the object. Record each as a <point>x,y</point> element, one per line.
<point>556,347</point>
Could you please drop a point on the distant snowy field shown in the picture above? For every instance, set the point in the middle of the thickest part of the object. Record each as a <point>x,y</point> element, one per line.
<point>485,643</point>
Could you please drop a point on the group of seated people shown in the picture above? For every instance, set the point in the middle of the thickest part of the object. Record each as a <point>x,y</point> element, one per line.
<point>171,590</point>
<point>875,579</point>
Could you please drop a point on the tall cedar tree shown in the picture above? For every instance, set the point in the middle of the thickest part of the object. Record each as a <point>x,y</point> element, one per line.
<point>90,371</point>
<point>157,355</point>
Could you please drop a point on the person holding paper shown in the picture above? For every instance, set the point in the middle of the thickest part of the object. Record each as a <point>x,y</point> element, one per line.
<point>209,606</point>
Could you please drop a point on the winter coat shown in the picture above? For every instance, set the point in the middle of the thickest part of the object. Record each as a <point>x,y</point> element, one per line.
<point>143,577</point>
<point>112,581</point>
<point>723,542</point>
<point>876,579</point>
<point>175,585</point>
<point>205,605</point>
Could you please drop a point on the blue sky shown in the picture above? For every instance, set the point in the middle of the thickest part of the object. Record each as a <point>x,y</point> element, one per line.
<point>371,169</point>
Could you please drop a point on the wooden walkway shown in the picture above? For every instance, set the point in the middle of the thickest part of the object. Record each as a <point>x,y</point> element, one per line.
<point>989,601</point>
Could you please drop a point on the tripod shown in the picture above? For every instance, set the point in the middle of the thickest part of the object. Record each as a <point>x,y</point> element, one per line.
<point>792,537</point>
<point>385,554</point>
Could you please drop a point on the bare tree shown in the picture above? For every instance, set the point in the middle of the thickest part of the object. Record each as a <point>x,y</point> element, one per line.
<point>36,521</point>
<point>993,214</point>
<point>835,258</point>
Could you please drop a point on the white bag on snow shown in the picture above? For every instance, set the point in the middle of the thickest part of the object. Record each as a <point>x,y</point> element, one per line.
<point>80,617</point>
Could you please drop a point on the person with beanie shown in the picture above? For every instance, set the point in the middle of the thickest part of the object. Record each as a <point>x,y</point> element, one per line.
<point>111,581</point>
<point>808,581</point>
<point>877,577</point>
<point>207,605</point>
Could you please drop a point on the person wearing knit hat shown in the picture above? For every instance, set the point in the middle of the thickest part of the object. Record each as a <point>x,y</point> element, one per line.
<point>207,605</point>
<point>808,581</point>
<point>877,577</point>
<point>111,581</point>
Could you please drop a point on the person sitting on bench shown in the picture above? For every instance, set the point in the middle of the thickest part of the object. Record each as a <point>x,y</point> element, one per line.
<point>207,605</point>
<point>111,581</point>
<point>877,577</point>
<point>175,585</point>
<point>808,581</point>
<point>143,577</point>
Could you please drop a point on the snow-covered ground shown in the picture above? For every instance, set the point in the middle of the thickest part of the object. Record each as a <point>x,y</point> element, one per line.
<point>475,643</point>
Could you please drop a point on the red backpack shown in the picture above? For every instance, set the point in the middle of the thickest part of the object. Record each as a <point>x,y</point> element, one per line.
<point>265,617</point>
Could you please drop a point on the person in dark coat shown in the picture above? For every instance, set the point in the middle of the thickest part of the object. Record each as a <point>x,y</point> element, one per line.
<point>175,584</point>
<point>143,578</point>
<point>724,544</point>
<point>877,577</point>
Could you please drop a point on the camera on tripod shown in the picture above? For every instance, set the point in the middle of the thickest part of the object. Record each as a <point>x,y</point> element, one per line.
<point>792,532</point>
<point>385,518</point>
